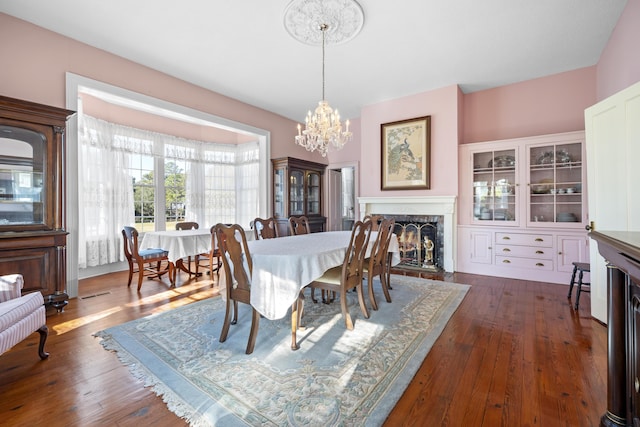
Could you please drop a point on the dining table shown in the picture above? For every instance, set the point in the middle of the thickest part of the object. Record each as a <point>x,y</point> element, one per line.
<point>284,266</point>
<point>180,244</point>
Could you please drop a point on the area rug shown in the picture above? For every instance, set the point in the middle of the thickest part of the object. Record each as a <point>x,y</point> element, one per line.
<point>337,377</point>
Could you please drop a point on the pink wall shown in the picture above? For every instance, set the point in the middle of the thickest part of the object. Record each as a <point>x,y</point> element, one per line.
<point>619,65</point>
<point>35,61</point>
<point>442,106</point>
<point>535,107</point>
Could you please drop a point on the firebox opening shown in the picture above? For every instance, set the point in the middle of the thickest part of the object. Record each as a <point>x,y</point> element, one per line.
<point>420,238</point>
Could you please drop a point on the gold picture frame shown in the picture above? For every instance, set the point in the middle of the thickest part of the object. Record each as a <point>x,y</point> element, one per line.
<point>406,154</point>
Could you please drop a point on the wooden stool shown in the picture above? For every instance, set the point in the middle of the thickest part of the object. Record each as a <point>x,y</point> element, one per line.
<point>580,268</point>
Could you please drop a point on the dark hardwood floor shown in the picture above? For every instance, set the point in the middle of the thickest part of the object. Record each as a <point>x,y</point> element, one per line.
<point>515,353</point>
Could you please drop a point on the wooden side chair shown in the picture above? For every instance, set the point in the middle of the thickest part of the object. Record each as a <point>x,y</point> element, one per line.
<point>145,262</point>
<point>265,228</point>
<point>579,268</point>
<point>236,258</point>
<point>377,264</point>
<point>189,225</point>
<point>349,275</point>
<point>375,220</point>
<point>299,225</point>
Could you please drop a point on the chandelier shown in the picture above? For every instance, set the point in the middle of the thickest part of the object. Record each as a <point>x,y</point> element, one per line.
<point>323,126</point>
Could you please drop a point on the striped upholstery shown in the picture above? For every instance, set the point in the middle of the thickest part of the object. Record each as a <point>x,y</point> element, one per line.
<point>11,286</point>
<point>21,316</point>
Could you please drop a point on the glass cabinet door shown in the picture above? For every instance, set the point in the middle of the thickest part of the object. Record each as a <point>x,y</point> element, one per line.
<point>494,186</point>
<point>278,193</point>
<point>313,193</point>
<point>296,192</point>
<point>555,181</point>
<point>22,189</point>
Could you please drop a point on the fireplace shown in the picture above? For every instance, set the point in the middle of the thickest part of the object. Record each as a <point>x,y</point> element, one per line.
<point>432,217</point>
<point>420,238</point>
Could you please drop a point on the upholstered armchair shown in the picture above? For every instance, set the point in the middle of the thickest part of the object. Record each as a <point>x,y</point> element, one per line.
<point>20,315</point>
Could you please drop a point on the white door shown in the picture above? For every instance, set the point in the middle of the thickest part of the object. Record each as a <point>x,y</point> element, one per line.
<point>613,149</point>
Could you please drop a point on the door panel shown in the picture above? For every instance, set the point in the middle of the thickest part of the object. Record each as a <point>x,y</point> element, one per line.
<point>612,134</point>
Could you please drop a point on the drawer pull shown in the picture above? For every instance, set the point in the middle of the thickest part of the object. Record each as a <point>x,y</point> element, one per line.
<point>637,385</point>
<point>506,238</point>
<point>506,261</point>
<point>506,250</point>
<point>539,264</point>
<point>540,252</point>
<point>539,239</point>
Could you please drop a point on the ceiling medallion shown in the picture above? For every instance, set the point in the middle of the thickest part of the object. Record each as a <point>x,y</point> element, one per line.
<point>344,19</point>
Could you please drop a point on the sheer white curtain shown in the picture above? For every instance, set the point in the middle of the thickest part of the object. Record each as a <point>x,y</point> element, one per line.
<point>221,183</point>
<point>105,194</point>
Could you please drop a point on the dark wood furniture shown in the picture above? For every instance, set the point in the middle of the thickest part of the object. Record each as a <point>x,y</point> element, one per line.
<point>235,253</point>
<point>145,262</point>
<point>347,276</point>
<point>297,191</point>
<point>265,228</point>
<point>622,252</point>
<point>299,225</point>
<point>33,238</point>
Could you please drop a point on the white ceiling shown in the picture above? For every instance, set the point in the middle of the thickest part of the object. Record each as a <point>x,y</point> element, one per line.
<point>241,49</point>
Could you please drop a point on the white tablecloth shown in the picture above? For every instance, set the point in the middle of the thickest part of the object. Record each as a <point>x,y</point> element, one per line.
<point>179,243</point>
<point>285,265</point>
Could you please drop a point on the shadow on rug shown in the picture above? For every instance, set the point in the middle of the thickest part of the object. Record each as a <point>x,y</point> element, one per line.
<point>338,377</point>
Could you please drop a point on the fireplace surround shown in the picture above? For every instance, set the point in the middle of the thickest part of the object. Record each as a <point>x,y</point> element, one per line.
<point>428,206</point>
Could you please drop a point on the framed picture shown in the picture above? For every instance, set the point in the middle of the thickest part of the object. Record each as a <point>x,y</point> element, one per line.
<point>406,151</point>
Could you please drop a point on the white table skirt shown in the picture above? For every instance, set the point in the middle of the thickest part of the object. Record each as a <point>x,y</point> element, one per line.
<point>179,243</point>
<point>285,265</point>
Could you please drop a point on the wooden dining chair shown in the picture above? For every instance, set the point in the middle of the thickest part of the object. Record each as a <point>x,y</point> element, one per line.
<point>145,262</point>
<point>265,228</point>
<point>236,258</point>
<point>375,220</point>
<point>299,225</point>
<point>190,225</point>
<point>377,263</point>
<point>349,275</point>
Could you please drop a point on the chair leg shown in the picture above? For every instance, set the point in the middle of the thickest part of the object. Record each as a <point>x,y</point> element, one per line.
<point>385,281</point>
<point>579,289</point>
<point>255,322</point>
<point>140,274</point>
<point>345,309</point>
<point>573,278</point>
<point>44,332</point>
<point>235,312</point>
<point>225,325</point>
<point>130,272</point>
<point>372,297</point>
<point>363,306</point>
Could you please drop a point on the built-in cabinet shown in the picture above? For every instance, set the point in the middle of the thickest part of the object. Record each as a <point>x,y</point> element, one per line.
<point>522,211</point>
<point>32,198</point>
<point>297,191</point>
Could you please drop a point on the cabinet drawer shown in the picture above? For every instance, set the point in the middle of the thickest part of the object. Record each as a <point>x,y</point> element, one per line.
<point>539,240</point>
<point>524,252</point>
<point>531,263</point>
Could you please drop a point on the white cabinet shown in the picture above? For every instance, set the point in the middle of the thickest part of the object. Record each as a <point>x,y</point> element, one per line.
<point>522,207</point>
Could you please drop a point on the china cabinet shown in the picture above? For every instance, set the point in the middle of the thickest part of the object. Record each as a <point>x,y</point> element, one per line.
<point>32,198</point>
<point>297,191</point>
<point>522,207</point>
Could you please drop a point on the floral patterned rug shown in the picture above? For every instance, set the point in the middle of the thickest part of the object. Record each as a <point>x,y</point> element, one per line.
<point>337,377</point>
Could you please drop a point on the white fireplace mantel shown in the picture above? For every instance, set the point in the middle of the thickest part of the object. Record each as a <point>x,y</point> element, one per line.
<point>428,205</point>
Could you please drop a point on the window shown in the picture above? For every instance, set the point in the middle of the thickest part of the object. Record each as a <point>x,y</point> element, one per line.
<point>163,180</point>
